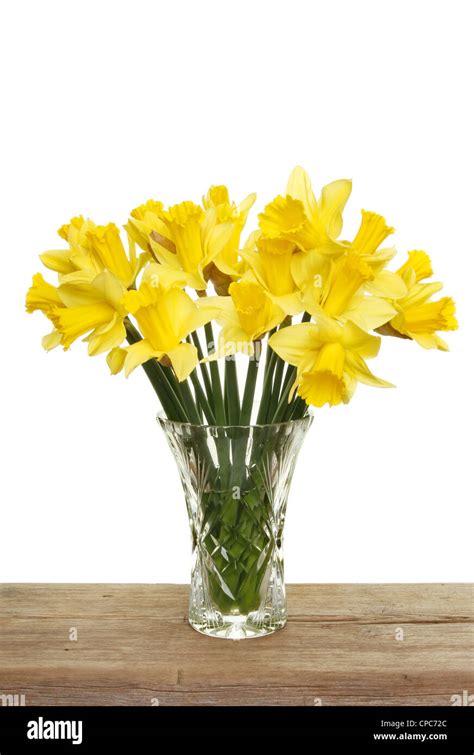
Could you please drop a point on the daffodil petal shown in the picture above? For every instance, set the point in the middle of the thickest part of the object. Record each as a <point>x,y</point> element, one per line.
<point>388,284</point>
<point>116,359</point>
<point>291,304</point>
<point>356,339</point>
<point>107,336</point>
<point>58,260</point>
<point>299,187</point>
<point>357,368</point>
<point>331,205</point>
<point>441,343</point>
<point>369,312</point>
<point>52,340</point>
<point>296,342</point>
<point>216,240</point>
<point>328,328</point>
<point>103,287</point>
<point>309,268</point>
<point>164,256</point>
<point>426,340</point>
<point>139,353</point>
<point>219,308</point>
<point>420,293</point>
<point>246,204</point>
<point>184,359</point>
<point>163,276</point>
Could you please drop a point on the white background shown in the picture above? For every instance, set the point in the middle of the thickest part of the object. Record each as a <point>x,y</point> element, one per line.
<point>106,104</point>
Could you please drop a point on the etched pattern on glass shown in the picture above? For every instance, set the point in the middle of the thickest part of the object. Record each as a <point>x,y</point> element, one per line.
<point>236,482</point>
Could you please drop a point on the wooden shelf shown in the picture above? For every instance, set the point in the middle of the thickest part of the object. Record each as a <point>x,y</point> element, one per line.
<point>135,647</point>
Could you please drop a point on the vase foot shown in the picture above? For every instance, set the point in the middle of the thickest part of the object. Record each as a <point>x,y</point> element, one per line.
<point>237,628</point>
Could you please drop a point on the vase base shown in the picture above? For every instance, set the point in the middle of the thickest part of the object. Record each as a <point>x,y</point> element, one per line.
<point>229,627</point>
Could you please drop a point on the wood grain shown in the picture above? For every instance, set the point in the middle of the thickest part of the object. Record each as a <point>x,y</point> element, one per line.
<point>135,647</point>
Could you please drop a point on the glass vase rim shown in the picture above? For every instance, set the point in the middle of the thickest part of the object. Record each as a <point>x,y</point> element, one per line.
<point>163,420</point>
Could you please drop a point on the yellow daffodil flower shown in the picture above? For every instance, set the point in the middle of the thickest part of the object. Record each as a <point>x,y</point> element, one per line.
<point>418,317</point>
<point>108,253</point>
<point>373,231</point>
<point>227,266</point>
<point>93,249</point>
<point>143,220</point>
<point>245,316</point>
<point>312,225</point>
<point>94,308</point>
<point>80,308</point>
<point>43,296</point>
<point>77,309</point>
<point>319,245</point>
<point>330,359</point>
<point>185,237</point>
<point>341,295</point>
<point>301,218</point>
<point>77,257</point>
<point>165,315</point>
<point>324,215</point>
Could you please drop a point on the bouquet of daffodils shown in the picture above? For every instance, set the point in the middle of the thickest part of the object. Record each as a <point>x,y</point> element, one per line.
<point>320,303</point>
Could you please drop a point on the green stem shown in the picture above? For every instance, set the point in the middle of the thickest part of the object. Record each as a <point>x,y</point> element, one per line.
<point>269,352</point>
<point>219,408</point>
<point>182,392</point>
<point>270,356</point>
<point>276,388</point>
<point>289,377</point>
<point>215,377</point>
<point>267,385</point>
<point>203,368</point>
<point>155,373</point>
<point>249,390</point>
<point>202,399</point>
<point>189,403</point>
<point>231,391</point>
<point>298,409</point>
<point>282,407</point>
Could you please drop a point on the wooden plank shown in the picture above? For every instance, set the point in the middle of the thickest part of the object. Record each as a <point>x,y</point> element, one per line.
<point>134,647</point>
